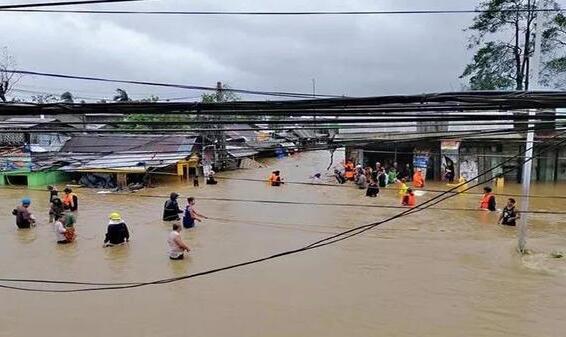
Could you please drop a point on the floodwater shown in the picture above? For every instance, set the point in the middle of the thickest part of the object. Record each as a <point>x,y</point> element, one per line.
<point>435,273</point>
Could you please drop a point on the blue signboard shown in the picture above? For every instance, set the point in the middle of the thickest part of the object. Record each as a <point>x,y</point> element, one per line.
<point>420,161</point>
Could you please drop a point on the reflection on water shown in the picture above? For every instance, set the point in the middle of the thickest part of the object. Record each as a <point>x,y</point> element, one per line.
<point>26,236</point>
<point>434,273</point>
<point>180,267</point>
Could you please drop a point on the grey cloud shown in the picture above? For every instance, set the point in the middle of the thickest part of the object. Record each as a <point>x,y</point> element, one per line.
<point>347,55</point>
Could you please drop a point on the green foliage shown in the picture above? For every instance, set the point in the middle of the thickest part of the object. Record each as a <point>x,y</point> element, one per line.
<point>169,121</point>
<point>554,42</point>
<point>222,95</point>
<point>121,96</point>
<point>491,69</point>
<point>67,97</point>
<point>503,37</point>
<point>44,98</point>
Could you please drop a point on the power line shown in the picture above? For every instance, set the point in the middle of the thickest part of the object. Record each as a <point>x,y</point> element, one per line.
<point>169,85</point>
<point>63,3</point>
<point>317,244</point>
<point>294,13</point>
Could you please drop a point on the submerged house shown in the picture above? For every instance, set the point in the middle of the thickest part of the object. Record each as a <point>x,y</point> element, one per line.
<point>117,160</point>
<point>27,149</point>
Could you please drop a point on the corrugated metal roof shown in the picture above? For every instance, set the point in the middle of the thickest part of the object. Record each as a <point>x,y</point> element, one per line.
<point>249,134</point>
<point>305,134</point>
<point>117,143</point>
<point>128,154</point>
<point>24,122</point>
<point>240,151</point>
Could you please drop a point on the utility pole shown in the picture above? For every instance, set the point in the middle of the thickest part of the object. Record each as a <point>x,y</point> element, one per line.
<point>528,163</point>
<point>220,135</point>
<point>314,92</point>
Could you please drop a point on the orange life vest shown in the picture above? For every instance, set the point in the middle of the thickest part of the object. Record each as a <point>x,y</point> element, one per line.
<point>68,200</point>
<point>418,180</point>
<point>349,170</point>
<point>409,200</point>
<point>70,234</point>
<point>484,204</point>
<point>275,180</point>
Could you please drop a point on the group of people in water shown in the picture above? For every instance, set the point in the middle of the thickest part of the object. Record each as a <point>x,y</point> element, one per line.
<point>63,209</point>
<point>171,211</point>
<point>372,179</point>
<point>63,213</point>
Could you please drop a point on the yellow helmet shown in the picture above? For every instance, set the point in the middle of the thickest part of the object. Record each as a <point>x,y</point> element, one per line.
<point>115,216</point>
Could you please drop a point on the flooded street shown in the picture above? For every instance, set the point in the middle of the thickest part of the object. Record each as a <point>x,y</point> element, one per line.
<point>435,273</point>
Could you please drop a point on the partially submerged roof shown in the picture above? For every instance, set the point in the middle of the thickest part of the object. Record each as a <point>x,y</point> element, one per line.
<point>240,151</point>
<point>93,143</point>
<point>124,153</point>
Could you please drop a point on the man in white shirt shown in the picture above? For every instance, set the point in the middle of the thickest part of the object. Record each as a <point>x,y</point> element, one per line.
<point>176,245</point>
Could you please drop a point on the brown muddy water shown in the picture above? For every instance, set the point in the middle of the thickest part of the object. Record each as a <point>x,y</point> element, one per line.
<point>435,273</point>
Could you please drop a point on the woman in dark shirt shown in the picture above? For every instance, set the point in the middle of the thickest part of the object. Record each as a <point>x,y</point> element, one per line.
<point>171,208</point>
<point>117,232</point>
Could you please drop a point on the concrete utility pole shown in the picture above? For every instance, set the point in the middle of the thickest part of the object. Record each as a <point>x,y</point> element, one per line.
<point>314,92</point>
<point>528,164</point>
<point>220,135</point>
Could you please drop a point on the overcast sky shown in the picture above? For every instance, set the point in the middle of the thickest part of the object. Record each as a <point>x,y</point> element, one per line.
<point>347,55</point>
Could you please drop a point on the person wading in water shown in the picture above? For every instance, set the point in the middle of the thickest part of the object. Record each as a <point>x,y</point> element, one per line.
<point>117,232</point>
<point>510,215</point>
<point>488,200</point>
<point>191,215</point>
<point>24,218</point>
<point>171,208</point>
<point>177,247</point>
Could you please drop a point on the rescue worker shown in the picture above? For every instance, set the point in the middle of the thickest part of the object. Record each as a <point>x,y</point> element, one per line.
<point>488,200</point>
<point>403,187</point>
<point>275,178</point>
<point>24,218</point>
<point>171,208</point>
<point>418,179</point>
<point>70,200</point>
<point>176,245</point>
<point>191,215</point>
<point>349,170</point>
<point>510,215</point>
<point>409,198</point>
<point>117,232</point>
